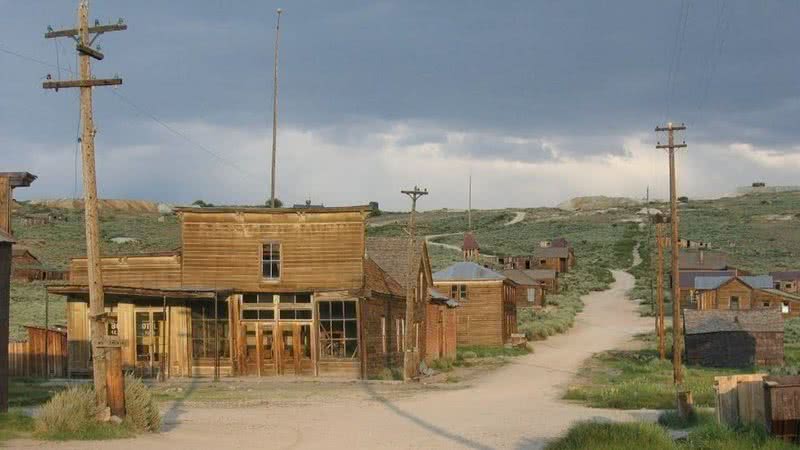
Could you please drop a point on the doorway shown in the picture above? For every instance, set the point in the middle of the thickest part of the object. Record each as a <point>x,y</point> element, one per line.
<point>295,349</point>
<point>150,342</point>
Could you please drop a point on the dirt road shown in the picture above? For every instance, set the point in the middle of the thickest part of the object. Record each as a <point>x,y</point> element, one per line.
<point>516,407</point>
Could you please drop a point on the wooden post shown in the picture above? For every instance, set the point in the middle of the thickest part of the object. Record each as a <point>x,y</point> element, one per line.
<point>5,289</point>
<point>685,405</point>
<point>408,355</point>
<point>82,34</point>
<point>115,382</point>
<point>677,319</point>
<point>6,203</point>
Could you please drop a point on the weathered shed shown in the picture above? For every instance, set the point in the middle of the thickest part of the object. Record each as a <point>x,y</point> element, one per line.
<point>488,313</point>
<point>529,292</point>
<point>559,259</point>
<point>548,277</point>
<point>734,338</point>
<point>787,280</point>
<point>25,265</point>
<point>728,292</point>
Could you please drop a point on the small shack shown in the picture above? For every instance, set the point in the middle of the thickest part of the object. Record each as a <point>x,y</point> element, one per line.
<point>529,292</point>
<point>25,265</point>
<point>548,277</point>
<point>488,313</point>
<point>787,281</point>
<point>734,338</point>
<point>728,292</point>
<point>560,259</point>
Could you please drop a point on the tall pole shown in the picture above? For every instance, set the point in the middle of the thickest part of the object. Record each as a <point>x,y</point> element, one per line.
<point>275,108</point>
<point>677,319</point>
<point>408,359</point>
<point>649,242</point>
<point>469,204</point>
<point>84,39</point>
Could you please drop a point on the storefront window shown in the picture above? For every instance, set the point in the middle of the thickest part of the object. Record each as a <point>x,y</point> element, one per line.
<point>203,330</point>
<point>338,330</point>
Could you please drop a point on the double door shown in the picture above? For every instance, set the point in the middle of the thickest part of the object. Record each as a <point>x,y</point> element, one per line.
<point>282,348</point>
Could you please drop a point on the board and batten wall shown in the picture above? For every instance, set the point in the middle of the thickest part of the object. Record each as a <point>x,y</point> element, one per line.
<point>481,316</point>
<point>145,271</point>
<point>318,250</point>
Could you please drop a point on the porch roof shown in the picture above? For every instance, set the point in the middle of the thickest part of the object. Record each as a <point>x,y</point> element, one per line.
<point>65,289</point>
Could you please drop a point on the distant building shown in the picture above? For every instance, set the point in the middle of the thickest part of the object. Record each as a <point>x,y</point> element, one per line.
<point>742,293</point>
<point>734,338</point>
<point>560,259</point>
<point>548,277</point>
<point>787,281</point>
<point>702,260</point>
<point>529,292</point>
<point>470,248</point>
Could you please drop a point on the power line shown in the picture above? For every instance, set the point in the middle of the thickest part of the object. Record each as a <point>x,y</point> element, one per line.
<point>143,112</point>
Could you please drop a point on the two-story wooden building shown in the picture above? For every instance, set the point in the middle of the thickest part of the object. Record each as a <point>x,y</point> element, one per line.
<point>488,312</point>
<point>252,291</point>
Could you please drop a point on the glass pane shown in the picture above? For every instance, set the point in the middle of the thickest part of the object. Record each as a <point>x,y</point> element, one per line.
<point>350,347</point>
<point>288,343</point>
<point>142,324</point>
<point>276,270</point>
<point>303,298</point>
<point>324,310</point>
<point>250,314</point>
<point>250,298</point>
<point>351,329</point>
<point>266,314</point>
<point>305,341</point>
<point>337,329</point>
<point>337,310</point>
<point>349,310</point>
<point>287,314</point>
<point>287,298</point>
<point>303,314</point>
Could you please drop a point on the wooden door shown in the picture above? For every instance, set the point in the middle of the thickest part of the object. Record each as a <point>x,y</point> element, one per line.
<point>258,352</point>
<point>294,349</point>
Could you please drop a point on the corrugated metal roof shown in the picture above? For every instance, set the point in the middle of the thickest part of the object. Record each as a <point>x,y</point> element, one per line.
<point>465,271</point>
<point>702,259</point>
<point>718,321</point>
<point>551,252</point>
<point>755,282</point>
<point>687,277</point>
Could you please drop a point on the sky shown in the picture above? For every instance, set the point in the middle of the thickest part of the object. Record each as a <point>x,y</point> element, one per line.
<point>539,101</point>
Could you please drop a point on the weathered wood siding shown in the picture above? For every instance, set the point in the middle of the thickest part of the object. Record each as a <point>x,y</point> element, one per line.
<point>734,349</point>
<point>440,335</point>
<point>721,298</point>
<point>379,330</point>
<point>318,250</point>
<point>78,336</point>
<point>30,359</point>
<point>481,316</point>
<point>150,271</point>
<point>762,298</point>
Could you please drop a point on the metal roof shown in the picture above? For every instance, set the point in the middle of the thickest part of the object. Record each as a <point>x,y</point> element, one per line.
<point>719,321</point>
<point>520,277</point>
<point>466,271</point>
<point>687,277</point>
<point>787,275</point>
<point>551,252</point>
<point>755,282</point>
<point>702,259</point>
<point>541,274</point>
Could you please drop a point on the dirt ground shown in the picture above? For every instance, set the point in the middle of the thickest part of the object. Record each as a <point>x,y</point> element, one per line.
<point>515,407</point>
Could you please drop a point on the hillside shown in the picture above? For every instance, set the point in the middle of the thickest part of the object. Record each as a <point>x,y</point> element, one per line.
<point>760,231</point>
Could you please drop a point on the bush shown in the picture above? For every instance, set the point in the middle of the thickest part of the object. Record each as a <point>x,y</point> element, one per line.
<point>68,412</point>
<point>141,411</point>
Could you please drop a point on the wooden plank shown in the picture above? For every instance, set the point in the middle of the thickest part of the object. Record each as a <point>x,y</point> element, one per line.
<point>727,399</point>
<point>6,203</point>
<point>751,401</point>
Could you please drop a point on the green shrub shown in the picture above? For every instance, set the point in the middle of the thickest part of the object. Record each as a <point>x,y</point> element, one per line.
<point>140,409</point>
<point>442,364</point>
<point>68,412</point>
<point>613,436</point>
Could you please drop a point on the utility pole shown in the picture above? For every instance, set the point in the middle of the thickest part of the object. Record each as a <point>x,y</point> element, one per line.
<point>660,221</point>
<point>97,315</point>
<point>408,360</point>
<point>677,319</point>
<point>275,107</point>
<point>469,204</point>
<point>649,242</point>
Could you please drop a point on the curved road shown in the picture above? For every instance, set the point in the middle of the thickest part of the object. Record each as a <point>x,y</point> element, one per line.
<point>515,407</point>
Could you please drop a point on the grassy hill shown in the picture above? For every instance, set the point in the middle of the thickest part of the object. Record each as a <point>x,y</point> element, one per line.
<point>760,231</point>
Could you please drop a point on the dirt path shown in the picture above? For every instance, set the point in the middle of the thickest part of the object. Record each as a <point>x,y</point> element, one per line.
<point>519,217</point>
<point>429,239</point>
<point>516,407</point>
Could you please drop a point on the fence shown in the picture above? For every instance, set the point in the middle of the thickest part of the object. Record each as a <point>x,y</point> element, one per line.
<point>32,359</point>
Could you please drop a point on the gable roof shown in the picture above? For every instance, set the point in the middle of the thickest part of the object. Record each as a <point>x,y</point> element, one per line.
<point>718,321</point>
<point>520,277</point>
<point>784,294</point>
<point>466,271</point>
<point>702,259</point>
<point>755,282</point>
<point>376,279</point>
<point>787,275</point>
<point>391,254</point>
<point>6,238</point>
<point>687,277</point>
<point>541,274</point>
<point>551,252</point>
<point>559,242</point>
<point>470,243</point>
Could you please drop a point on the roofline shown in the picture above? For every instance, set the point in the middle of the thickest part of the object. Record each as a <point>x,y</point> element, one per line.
<point>65,289</point>
<point>263,210</point>
<point>19,179</point>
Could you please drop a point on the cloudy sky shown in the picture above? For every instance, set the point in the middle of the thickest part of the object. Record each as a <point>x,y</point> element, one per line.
<point>539,100</point>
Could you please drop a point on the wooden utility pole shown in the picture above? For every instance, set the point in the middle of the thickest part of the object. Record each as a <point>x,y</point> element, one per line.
<point>469,204</point>
<point>677,319</point>
<point>408,359</point>
<point>84,36</point>
<point>275,108</point>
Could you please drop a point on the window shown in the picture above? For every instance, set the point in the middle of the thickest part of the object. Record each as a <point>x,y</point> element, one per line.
<point>203,329</point>
<point>458,291</point>
<point>258,307</point>
<point>383,334</point>
<point>416,336</point>
<point>766,304</point>
<point>542,262</point>
<point>527,264</point>
<point>295,314</point>
<point>295,298</point>
<point>785,307</point>
<point>149,335</point>
<point>338,330</point>
<point>734,302</point>
<point>271,261</point>
<point>400,332</point>
<point>531,295</point>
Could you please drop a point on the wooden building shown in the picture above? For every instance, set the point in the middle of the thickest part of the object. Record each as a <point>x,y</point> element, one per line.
<point>252,291</point>
<point>787,281</point>
<point>687,278</point>
<point>728,292</point>
<point>560,259</point>
<point>529,292</point>
<point>442,327</point>
<point>734,338</point>
<point>470,248</point>
<point>25,265</point>
<point>698,260</point>
<point>488,312</point>
<point>548,278</point>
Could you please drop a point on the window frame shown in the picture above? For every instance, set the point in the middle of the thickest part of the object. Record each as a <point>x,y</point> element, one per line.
<point>277,262</point>
<point>325,335</point>
<point>207,323</point>
<point>731,300</point>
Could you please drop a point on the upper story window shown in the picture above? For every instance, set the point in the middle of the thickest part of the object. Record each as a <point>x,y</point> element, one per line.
<point>458,291</point>
<point>271,260</point>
